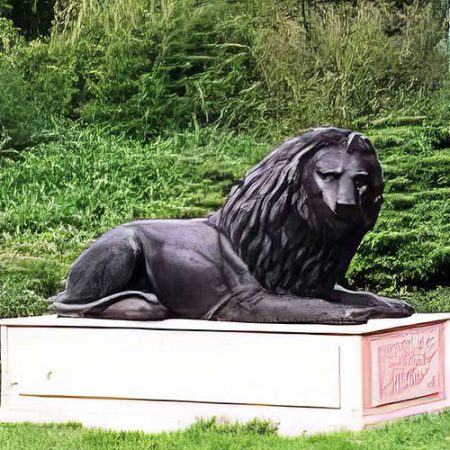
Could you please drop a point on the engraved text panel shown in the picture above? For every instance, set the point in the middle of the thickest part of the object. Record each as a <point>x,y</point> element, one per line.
<point>405,365</point>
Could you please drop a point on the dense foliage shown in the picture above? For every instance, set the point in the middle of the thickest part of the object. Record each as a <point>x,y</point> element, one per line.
<point>148,66</point>
<point>122,109</point>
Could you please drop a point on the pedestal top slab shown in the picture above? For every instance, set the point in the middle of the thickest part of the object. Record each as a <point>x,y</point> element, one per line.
<point>373,326</point>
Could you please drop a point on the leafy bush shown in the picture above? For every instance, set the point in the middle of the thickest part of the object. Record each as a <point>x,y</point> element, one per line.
<point>21,118</point>
<point>57,197</point>
<point>346,64</point>
<point>36,89</point>
<point>146,66</point>
<point>27,283</point>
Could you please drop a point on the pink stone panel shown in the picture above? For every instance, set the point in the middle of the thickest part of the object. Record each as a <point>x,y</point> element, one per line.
<point>404,365</point>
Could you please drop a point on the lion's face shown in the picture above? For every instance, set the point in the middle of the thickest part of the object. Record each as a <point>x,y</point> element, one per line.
<point>297,218</point>
<point>345,185</point>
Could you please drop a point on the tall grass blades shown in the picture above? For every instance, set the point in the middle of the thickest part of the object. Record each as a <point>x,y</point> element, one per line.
<point>150,66</point>
<point>146,66</point>
<point>351,63</point>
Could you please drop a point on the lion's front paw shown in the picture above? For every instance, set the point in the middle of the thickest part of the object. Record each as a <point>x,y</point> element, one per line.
<point>392,306</point>
<point>391,311</point>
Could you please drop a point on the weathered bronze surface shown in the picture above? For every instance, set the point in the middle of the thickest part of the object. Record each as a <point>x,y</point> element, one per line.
<point>275,252</point>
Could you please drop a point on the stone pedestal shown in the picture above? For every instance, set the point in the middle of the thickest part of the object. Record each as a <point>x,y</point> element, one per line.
<point>158,376</point>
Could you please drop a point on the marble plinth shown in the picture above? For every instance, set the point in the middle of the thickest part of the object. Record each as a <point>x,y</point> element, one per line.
<point>160,376</point>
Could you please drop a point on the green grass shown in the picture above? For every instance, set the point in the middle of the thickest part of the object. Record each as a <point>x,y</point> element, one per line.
<point>428,432</point>
<point>57,197</point>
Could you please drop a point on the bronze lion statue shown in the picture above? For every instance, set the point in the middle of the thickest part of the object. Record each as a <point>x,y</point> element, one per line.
<point>275,252</point>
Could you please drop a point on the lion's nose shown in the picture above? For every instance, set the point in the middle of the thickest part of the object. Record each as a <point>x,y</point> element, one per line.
<point>347,201</point>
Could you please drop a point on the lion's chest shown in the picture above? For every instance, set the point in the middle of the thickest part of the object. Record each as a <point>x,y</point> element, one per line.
<point>316,273</point>
<point>311,268</point>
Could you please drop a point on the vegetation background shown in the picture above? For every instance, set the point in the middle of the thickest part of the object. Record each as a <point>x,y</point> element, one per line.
<point>121,109</point>
<point>114,110</point>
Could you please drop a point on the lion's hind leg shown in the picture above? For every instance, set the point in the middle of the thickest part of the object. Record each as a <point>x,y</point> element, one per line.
<point>105,281</point>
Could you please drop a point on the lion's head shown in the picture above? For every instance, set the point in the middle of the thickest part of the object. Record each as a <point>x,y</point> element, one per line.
<point>297,217</point>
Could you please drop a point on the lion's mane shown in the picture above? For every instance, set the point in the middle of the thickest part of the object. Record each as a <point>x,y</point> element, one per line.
<point>276,228</point>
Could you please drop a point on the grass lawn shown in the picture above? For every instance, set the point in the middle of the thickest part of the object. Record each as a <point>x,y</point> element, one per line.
<point>429,432</point>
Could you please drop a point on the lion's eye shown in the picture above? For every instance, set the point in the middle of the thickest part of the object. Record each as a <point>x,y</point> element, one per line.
<point>329,175</point>
<point>361,180</point>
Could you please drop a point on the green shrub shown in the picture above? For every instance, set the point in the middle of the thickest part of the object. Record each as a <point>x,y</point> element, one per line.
<point>21,118</point>
<point>36,89</point>
<point>59,196</point>
<point>175,73</point>
<point>344,66</point>
<point>145,66</point>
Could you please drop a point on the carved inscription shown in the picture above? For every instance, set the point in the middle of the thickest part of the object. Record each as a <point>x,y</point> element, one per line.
<point>406,364</point>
